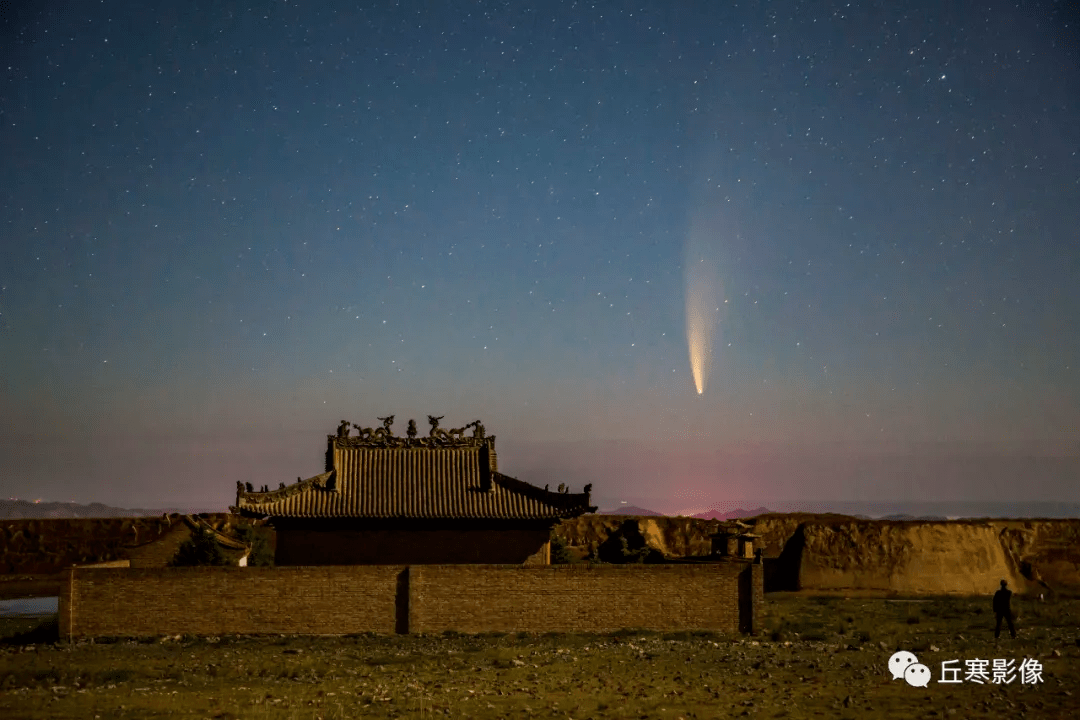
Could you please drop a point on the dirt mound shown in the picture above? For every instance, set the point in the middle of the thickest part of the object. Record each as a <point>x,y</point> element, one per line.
<point>923,557</point>
<point>913,558</point>
<point>670,536</point>
<point>633,541</point>
<point>33,546</point>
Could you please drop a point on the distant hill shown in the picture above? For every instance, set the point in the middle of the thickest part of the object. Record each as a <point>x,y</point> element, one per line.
<point>629,510</point>
<point>731,514</point>
<point>707,515</point>
<point>12,509</point>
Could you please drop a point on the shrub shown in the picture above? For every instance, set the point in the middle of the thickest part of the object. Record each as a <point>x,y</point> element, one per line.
<point>639,555</point>
<point>200,549</point>
<point>560,552</point>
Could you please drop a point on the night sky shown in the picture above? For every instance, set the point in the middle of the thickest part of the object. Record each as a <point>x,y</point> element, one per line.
<point>226,227</point>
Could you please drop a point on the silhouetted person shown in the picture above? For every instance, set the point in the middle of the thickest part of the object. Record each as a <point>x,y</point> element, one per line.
<point>1003,609</point>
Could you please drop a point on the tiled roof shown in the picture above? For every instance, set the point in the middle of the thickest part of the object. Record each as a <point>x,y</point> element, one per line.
<point>194,522</point>
<point>458,480</point>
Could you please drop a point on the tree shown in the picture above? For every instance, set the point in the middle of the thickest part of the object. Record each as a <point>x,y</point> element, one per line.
<point>256,537</point>
<point>200,549</point>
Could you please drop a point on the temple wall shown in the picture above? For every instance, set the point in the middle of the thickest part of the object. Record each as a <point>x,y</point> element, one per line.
<point>332,600</point>
<point>137,602</point>
<point>412,546</point>
<point>576,598</point>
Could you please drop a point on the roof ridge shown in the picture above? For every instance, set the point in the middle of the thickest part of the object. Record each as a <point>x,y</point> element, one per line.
<point>194,521</point>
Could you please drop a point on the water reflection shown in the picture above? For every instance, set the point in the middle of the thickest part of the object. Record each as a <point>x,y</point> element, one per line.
<point>29,606</point>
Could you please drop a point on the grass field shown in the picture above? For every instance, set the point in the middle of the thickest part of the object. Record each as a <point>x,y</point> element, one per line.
<point>815,657</point>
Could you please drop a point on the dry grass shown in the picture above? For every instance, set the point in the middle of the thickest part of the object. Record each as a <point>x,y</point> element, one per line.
<point>816,657</point>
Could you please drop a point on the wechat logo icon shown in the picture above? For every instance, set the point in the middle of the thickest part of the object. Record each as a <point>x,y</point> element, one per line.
<point>904,664</point>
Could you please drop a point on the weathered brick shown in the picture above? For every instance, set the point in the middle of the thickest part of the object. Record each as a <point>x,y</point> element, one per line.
<point>331,600</point>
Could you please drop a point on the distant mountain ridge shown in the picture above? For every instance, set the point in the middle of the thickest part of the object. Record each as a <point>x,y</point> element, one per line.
<point>630,510</point>
<point>707,515</point>
<point>731,514</point>
<point>13,509</point>
<point>915,510</point>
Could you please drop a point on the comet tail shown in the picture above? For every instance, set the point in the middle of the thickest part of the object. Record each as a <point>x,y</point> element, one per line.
<point>702,304</point>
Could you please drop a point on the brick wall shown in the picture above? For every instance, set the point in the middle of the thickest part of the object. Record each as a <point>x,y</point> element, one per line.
<point>420,598</point>
<point>567,598</point>
<point>751,597</point>
<point>410,546</point>
<point>228,600</point>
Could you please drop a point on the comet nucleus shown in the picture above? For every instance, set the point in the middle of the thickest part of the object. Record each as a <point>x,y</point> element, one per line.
<point>702,302</point>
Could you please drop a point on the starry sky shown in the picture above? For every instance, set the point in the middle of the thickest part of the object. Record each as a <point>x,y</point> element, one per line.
<point>227,226</point>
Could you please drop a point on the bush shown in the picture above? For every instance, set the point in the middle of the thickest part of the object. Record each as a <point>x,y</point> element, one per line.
<point>560,552</point>
<point>200,549</point>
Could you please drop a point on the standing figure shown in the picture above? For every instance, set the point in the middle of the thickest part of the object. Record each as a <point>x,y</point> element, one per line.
<point>1003,609</point>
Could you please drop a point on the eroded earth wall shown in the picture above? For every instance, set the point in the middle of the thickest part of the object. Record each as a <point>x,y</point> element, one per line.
<point>36,546</point>
<point>836,553</point>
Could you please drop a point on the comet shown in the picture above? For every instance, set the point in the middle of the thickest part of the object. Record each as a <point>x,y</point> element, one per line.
<point>702,307</point>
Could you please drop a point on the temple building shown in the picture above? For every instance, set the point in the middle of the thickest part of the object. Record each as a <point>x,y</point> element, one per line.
<point>388,500</point>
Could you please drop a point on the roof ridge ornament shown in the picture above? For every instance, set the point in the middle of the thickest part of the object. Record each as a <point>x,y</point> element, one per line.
<point>264,495</point>
<point>384,436</point>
